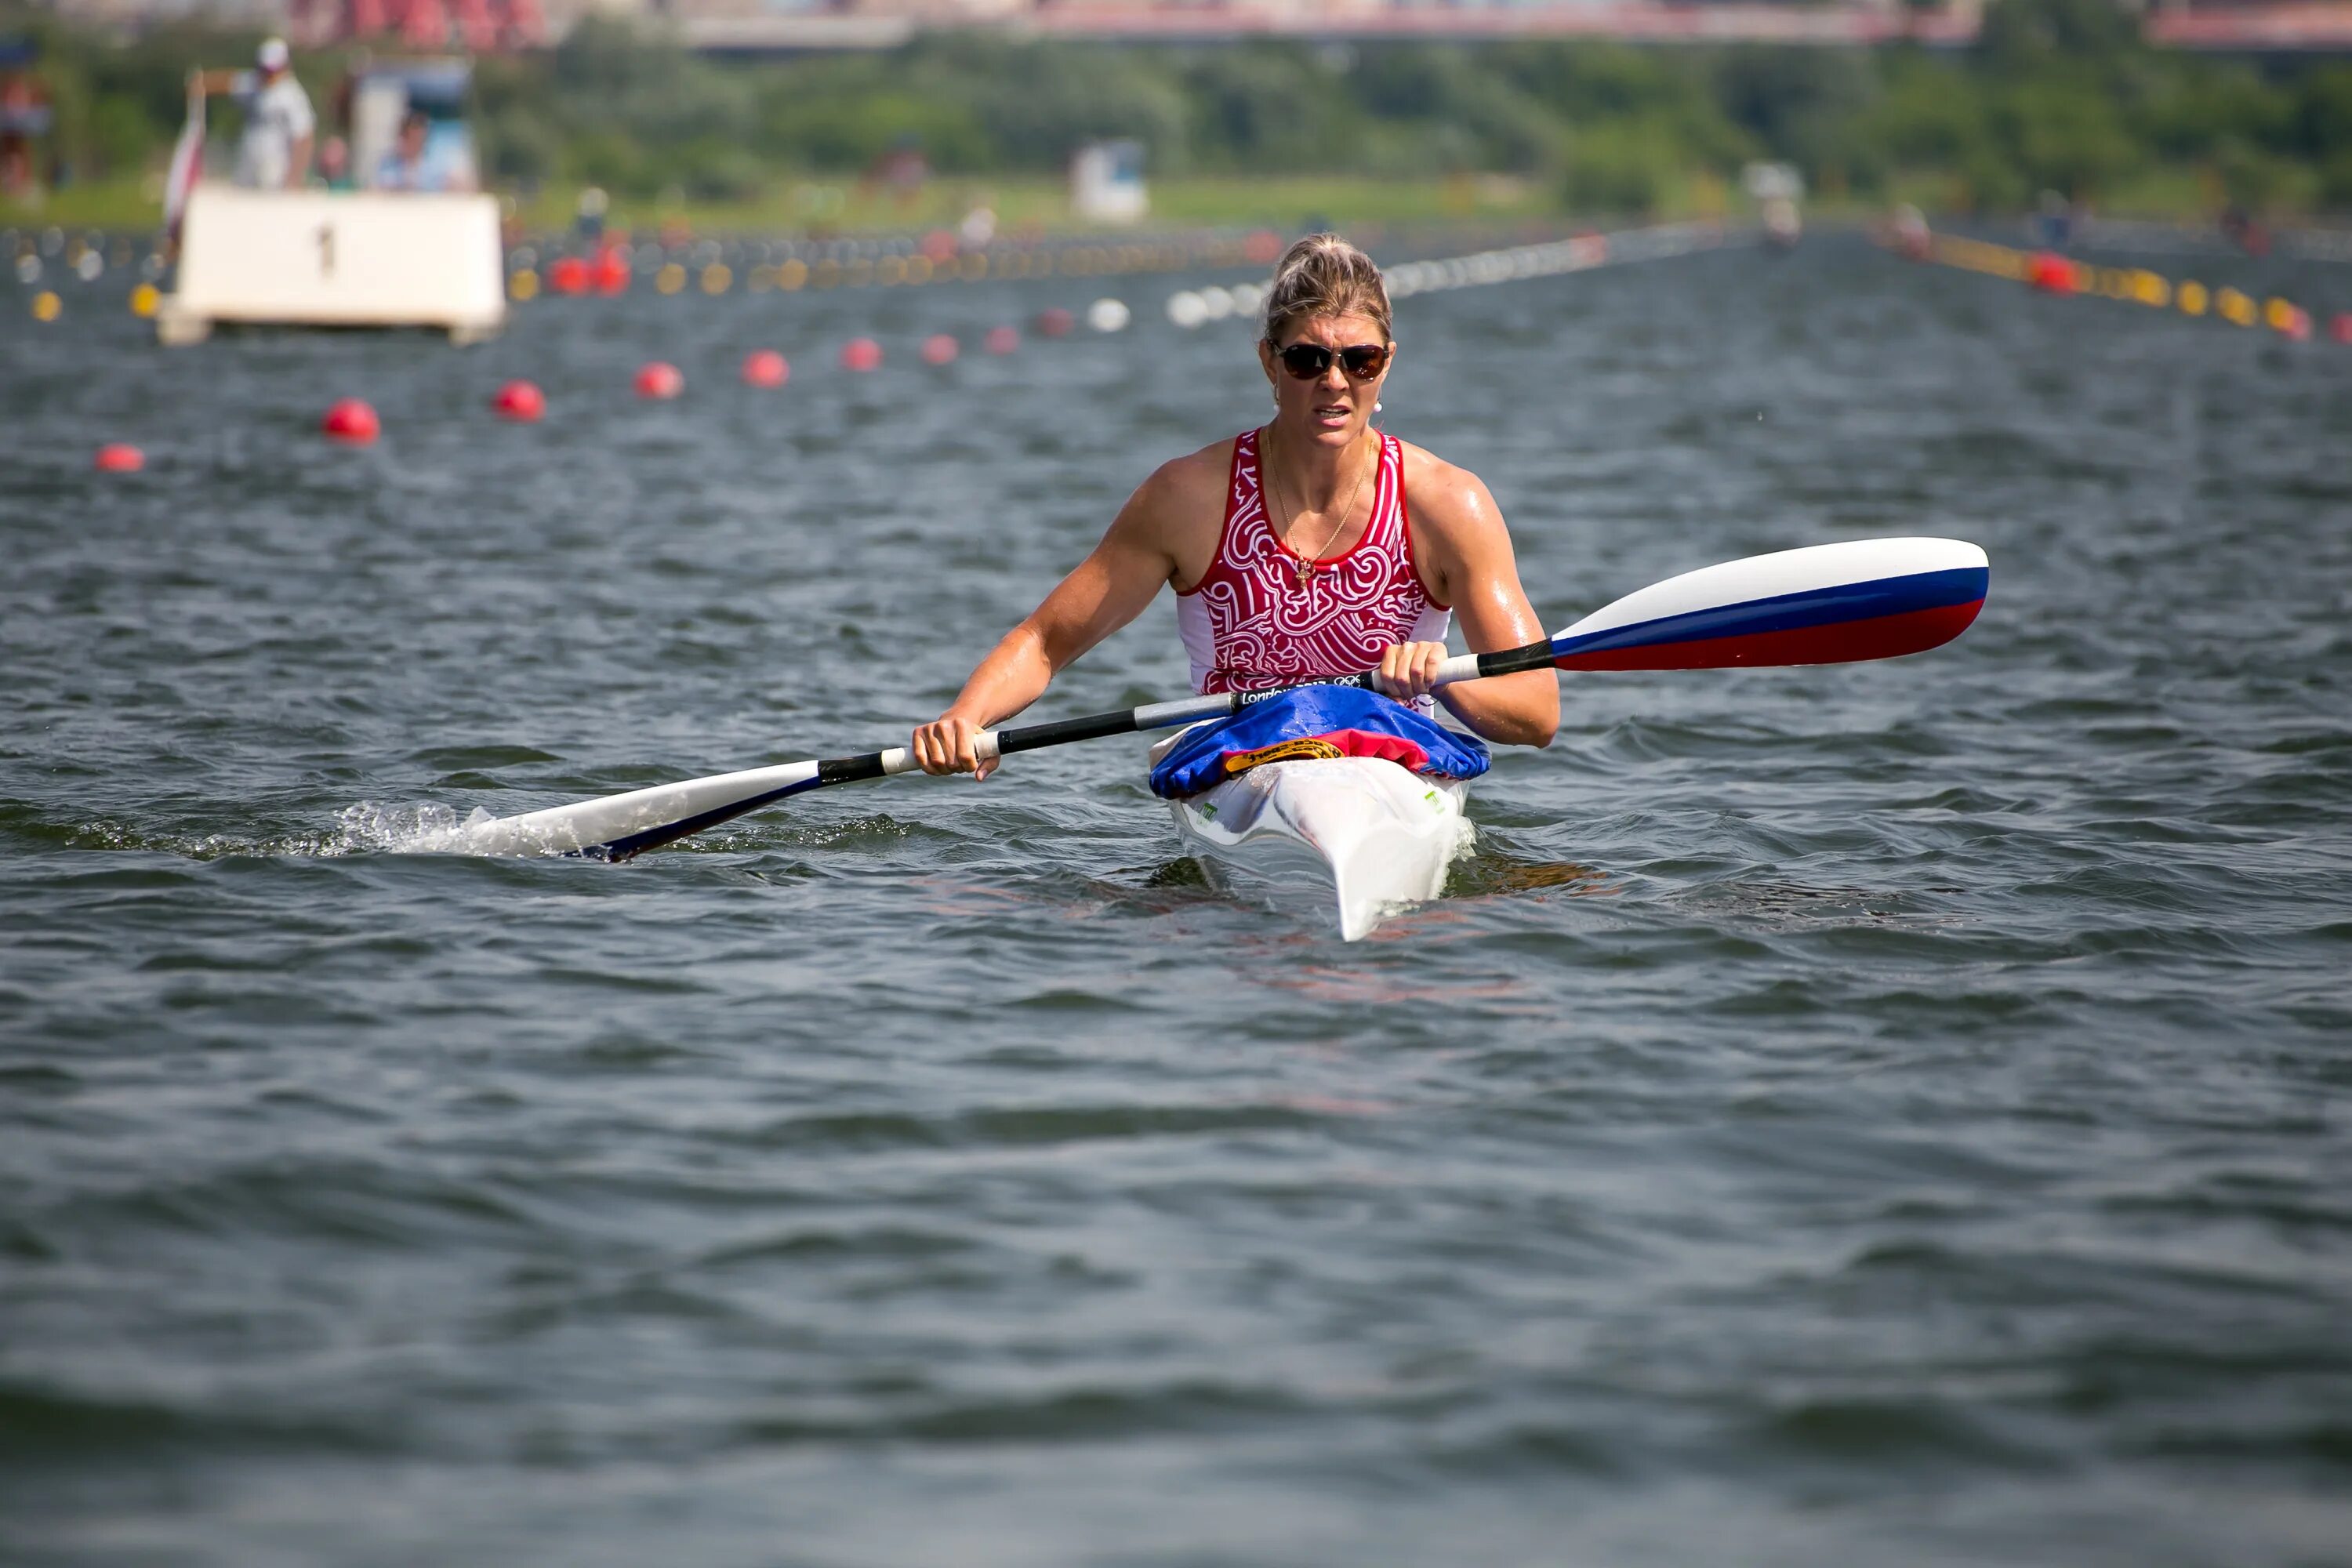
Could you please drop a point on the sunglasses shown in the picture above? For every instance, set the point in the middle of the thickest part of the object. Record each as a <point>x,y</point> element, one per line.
<point>1311,362</point>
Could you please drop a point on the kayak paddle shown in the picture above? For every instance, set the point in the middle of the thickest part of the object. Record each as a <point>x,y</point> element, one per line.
<point>1826,604</point>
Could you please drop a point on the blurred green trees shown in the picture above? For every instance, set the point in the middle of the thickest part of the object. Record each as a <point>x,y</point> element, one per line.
<point>2056,95</point>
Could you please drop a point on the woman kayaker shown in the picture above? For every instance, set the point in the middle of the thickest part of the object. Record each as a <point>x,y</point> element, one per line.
<point>1313,546</point>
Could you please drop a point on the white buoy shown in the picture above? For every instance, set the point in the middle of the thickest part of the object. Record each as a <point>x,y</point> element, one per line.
<point>1218,302</point>
<point>1187,309</point>
<point>1107,316</point>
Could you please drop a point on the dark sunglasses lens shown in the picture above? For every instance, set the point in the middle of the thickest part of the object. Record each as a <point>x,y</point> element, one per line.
<point>1306,361</point>
<point>1309,362</point>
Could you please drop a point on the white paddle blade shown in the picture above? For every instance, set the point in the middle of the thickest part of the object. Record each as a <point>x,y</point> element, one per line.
<point>619,825</point>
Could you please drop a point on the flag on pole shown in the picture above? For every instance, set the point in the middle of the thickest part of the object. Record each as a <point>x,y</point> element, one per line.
<point>187,166</point>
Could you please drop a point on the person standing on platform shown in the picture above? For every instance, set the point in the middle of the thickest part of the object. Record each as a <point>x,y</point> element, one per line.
<point>275,152</point>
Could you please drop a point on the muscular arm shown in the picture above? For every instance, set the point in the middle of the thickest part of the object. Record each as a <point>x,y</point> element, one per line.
<point>1110,588</point>
<point>1459,531</point>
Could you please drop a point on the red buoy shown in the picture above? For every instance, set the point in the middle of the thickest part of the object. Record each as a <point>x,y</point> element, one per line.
<point>2295,326</point>
<point>2051,273</point>
<point>569,275</point>
<point>119,457</point>
<point>2340,327</point>
<point>765,367</point>
<point>350,420</point>
<point>861,354</point>
<point>521,402</point>
<point>659,380</point>
<point>1001,339</point>
<point>1055,322</point>
<point>940,348</point>
<point>611,272</point>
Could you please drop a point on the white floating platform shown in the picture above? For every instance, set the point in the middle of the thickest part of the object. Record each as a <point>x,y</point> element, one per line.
<point>336,258</point>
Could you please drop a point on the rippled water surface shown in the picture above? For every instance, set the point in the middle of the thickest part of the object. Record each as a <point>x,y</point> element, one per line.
<point>1890,1113</point>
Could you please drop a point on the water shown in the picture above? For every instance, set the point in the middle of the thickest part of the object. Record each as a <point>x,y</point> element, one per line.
<point>1888,1113</point>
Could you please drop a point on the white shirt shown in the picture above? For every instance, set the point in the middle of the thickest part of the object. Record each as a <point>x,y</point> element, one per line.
<point>277,115</point>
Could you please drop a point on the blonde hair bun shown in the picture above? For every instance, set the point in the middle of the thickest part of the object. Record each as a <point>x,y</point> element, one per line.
<point>1323,275</point>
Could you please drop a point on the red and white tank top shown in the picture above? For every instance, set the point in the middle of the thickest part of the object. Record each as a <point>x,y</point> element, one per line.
<point>1249,623</point>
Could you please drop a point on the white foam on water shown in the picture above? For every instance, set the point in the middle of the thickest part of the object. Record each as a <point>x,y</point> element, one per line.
<point>425,828</point>
<point>369,827</point>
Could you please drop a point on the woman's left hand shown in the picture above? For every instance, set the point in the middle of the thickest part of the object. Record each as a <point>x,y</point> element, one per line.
<point>1409,669</point>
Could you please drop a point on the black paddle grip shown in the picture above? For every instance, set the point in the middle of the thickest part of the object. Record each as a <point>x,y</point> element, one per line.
<point>1030,737</point>
<point>848,770</point>
<point>1511,660</point>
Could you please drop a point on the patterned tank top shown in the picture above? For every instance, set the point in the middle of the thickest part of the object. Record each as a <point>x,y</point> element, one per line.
<point>1249,625</point>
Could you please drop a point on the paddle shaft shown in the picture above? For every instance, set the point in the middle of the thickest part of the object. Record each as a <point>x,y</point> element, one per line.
<point>992,743</point>
<point>1828,603</point>
<point>1166,715</point>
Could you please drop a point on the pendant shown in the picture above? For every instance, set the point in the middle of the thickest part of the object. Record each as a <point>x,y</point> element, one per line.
<point>1306,575</point>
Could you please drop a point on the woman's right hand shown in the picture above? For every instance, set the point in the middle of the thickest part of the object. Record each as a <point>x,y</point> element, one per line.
<point>945,746</point>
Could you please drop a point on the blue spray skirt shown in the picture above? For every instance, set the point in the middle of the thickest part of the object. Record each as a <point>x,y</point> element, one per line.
<point>1315,722</point>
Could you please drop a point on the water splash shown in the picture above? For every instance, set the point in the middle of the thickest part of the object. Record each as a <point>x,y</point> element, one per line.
<point>368,828</point>
<point>427,828</point>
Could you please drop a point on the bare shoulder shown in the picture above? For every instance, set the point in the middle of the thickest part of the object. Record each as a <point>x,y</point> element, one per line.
<point>1175,515</point>
<point>1450,503</point>
<point>1183,487</point>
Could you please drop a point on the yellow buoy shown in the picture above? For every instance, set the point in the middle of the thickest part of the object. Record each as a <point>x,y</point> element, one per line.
<point>523,285</point>
<point>46,306</point>
<point>670,279</point>
<point>145,299</point>
<point>2150,288</point>
<point>2278,314</point>
<point>792,274</point>
<point>717,279</point>
<point>2236,308</point>
<point>2191,297</point>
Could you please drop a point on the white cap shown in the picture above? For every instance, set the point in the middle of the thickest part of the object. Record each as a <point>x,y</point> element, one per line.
<point>272,55</point>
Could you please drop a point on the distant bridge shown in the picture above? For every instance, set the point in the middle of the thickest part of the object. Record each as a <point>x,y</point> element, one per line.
<point>2255,29</point>
<point>740,27</point>
<point>1633,21</point>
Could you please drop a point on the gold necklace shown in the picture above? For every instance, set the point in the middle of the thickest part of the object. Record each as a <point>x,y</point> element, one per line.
<point>1307,564</point>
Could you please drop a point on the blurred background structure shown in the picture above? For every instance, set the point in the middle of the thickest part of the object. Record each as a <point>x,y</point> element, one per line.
<point>799,113</point>
<point>2253,24</point>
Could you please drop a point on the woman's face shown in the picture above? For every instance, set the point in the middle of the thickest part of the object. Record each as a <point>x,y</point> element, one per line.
<point>1333,408</point>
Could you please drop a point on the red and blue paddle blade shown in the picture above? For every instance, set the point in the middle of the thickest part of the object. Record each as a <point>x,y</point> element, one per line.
<point>1827,604</point>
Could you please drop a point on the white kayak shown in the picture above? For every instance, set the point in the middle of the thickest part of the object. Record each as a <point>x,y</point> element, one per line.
<point>1362,830</point>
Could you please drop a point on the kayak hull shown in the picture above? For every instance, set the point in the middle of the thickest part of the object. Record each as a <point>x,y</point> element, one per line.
<point>1359,834</point>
